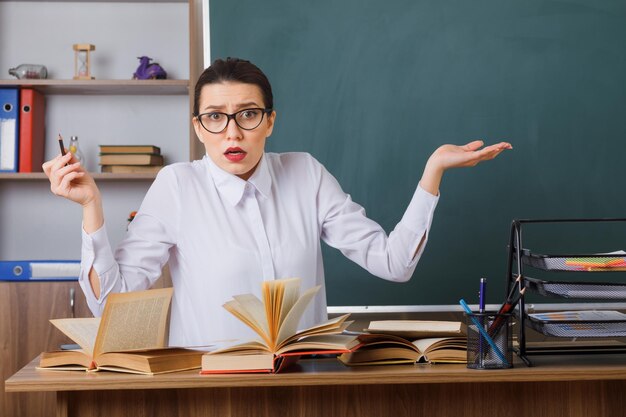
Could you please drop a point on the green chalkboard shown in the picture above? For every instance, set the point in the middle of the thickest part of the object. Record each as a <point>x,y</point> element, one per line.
<point>371,88</point>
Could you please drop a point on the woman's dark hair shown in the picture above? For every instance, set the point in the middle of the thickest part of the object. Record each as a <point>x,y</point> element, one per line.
<point>235,70</point>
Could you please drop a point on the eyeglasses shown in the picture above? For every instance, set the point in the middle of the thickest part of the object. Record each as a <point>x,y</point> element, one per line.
<point>247,119</point>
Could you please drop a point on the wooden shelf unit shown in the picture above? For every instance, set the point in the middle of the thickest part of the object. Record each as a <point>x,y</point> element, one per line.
<point>25,308</point>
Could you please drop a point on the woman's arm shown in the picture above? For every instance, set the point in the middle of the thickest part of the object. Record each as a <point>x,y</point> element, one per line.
<point>393,257</point>
<point>69,179</point>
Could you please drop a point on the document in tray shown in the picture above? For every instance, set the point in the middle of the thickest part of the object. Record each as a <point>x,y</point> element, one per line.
<point>586,323</point>
<point>581,315</point>
<point>599,263</point>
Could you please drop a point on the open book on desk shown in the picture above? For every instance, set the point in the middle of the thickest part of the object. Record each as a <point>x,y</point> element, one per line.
<point>275,320</point>
<point>391,342</point>
<point>129,337</point>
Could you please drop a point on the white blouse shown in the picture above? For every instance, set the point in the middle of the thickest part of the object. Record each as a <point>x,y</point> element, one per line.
<point>223,236</point>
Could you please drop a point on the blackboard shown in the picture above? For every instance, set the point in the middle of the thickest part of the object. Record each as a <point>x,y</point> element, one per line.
<point>371,88</point>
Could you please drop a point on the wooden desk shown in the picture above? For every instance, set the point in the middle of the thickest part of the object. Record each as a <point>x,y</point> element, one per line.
<point>557,386</point>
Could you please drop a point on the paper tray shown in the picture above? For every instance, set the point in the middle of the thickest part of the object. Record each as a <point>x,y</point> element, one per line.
<point>584,290</point>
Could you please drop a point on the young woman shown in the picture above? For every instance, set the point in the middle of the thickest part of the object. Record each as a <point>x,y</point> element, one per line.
<point>240,215</point>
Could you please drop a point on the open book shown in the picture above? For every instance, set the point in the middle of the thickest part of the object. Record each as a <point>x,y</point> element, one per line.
<point>275,320</point>
<point>392,342</point>
<point>129,337</point>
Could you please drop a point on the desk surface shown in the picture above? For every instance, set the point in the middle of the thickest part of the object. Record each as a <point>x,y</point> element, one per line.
<point>327,372</point>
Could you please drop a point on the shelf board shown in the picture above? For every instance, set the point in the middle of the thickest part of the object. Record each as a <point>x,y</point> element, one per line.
<point>98,176</point>
<point>103,87</point>
<point>97,1</point>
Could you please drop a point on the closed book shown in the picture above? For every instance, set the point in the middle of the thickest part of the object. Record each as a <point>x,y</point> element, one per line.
<point>416,329</point>
<point>131,159</point>
<point>151,149</point>
<point>131,169</point>
<point>32,126</point>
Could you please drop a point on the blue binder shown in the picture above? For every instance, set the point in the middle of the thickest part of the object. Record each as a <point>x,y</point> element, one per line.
<point>39,270</point>
<point>9,129</point>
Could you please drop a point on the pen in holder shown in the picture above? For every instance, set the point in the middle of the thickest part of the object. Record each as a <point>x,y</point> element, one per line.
<point>495,352</point>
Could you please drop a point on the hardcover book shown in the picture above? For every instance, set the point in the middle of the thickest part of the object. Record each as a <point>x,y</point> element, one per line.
<point>131,159</point>
<point>151,149</point>
<point>129,337</point>
<point>275,320</point>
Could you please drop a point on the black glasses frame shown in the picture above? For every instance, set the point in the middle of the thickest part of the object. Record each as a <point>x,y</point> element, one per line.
<point>233,116</point>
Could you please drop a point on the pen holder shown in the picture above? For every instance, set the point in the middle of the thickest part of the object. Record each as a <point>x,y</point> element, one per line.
<point>496,353</point>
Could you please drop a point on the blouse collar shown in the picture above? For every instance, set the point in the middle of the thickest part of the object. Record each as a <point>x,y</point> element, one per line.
<point>232,188</point>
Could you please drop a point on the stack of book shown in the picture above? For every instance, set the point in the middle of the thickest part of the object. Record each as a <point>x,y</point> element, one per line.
<point>125,159</point>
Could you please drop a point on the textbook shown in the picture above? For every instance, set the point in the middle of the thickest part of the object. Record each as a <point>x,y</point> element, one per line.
<point>151,149</point>
<point>415,329</point>
<point>131,159</point>
<point>410,341</point>
<point>129,337</point>
<point>131,169</point>
<point>275,320</point>
<point>387,349</point>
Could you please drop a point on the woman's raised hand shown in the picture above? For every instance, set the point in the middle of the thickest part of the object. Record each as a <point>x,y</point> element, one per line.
<point>454,156</point>
<point>70,180</point>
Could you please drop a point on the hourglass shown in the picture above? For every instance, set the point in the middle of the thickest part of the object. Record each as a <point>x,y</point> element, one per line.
<point>82,62</point>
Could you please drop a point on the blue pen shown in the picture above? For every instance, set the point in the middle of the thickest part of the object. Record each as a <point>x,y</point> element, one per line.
<point>483,333</point>
<point>482,295</point>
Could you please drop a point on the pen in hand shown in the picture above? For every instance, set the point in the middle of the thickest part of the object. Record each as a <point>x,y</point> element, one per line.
<point>62,146</point>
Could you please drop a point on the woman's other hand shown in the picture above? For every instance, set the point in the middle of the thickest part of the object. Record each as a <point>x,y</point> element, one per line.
<point>453,156</point>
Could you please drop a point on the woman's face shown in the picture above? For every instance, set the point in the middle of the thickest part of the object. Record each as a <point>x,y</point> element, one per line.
<point>235,150</point>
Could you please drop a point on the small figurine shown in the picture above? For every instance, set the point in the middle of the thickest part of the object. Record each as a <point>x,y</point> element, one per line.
<point>149,71</point>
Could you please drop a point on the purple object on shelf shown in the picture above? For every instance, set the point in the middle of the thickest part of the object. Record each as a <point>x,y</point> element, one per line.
<point>149,71</point>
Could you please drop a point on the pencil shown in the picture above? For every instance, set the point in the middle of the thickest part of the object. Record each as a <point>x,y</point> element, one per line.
<point>61,145</point>
<point>506,308</point>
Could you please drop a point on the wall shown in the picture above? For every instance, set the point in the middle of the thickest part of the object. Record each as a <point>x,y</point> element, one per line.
<point>371,88</point>
<point>34,224</point>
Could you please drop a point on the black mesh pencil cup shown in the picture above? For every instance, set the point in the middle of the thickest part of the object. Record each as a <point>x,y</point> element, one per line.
<point>491,346</point>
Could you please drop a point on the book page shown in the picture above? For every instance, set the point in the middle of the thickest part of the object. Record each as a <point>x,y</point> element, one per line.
<point>426,345</point>
<point>321,343</point>
<point>290,324</point>
<point>279,296</point>
<point>255,311</point>
<point>236,309</point>
<point>134,320</point>
<point>83,331</point>
<point>333,326</point>
<point>269,290</point>
<point>291,294</point>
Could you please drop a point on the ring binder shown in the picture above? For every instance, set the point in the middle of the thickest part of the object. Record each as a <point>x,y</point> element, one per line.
<point>50,270</point>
